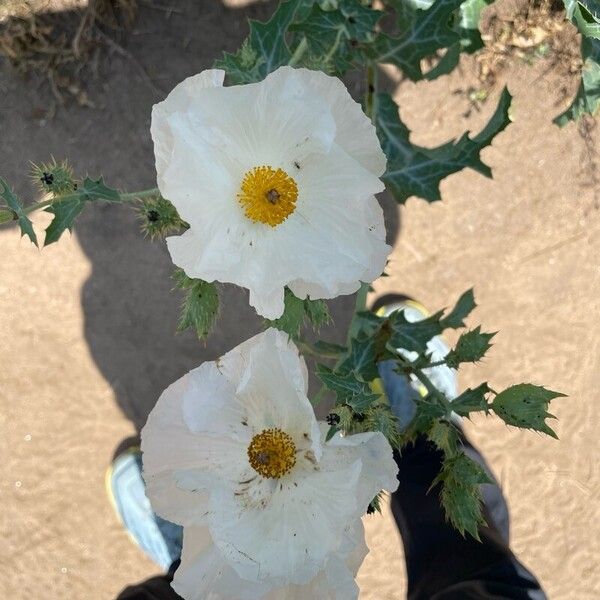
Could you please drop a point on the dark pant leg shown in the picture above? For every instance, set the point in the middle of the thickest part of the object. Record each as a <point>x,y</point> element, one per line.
<point>155,588</point>
<point>441,564</point>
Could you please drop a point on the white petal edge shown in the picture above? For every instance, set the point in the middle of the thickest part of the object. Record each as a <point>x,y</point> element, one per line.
<point>178,99</point>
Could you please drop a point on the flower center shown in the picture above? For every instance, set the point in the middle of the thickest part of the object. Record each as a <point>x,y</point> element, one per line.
<point>272,453</point>
<point>268,195</point>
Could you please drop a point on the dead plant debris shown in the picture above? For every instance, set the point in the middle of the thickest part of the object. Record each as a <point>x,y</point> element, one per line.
<point>59,45</point>
<point>537,30</point>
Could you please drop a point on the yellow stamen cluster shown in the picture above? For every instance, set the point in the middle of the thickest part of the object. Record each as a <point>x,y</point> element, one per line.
<point>268,195</point>
<point>272,453</point>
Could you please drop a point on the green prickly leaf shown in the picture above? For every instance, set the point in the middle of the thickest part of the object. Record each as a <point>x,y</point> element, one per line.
<point>471,347</point>
<point>463,308</point>
<point>417,171</point>
<point>472,400</point>
<point>466,25</point>
<point>13,203</point>
<point>65,212</point>
<point>444,436</point>
<point>349,390</point>
<point>526,405</point>
<point>414,335</point>
<point>366,350</point>
<point>67,208</point>
<point>460,495</point>
<point>266,48</point>
<point>382,419</point>
<point>330,32</point>
<point>95,189</point>
<point>422,33</point>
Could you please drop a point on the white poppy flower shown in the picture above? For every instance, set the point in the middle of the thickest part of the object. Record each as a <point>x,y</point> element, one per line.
<point>276,180</point>
<point>204,574</point>
<point>235,445</point>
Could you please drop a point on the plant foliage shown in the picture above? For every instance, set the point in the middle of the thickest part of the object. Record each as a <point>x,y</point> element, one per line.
<point>339,36</point>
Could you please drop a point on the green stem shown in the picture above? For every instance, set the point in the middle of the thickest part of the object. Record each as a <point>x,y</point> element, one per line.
<point>307,348</point>
<point>429,386</point>
<point>139,195</point>
<point>127,197</point>
<point>298,53</point>
<point>32,207</point>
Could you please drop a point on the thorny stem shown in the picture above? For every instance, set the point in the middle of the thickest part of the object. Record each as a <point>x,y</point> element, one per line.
<point>424,379</point>
<point>127,197</point>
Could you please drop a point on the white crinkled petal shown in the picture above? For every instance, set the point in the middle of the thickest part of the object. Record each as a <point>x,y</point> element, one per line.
<point>272,390</point>
<point>289,539</point>
<point>204,574</point>
<point>379,470</point>
<point>355,133</point>
<point>174,504</point>
<point>171,447</point>
<point>234,363</point>
<point>209,405</point>
<point>337,580</point>
<point>180,99</point>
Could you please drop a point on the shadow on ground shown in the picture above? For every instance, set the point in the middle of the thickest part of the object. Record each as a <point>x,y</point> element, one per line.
<point>130,309</point>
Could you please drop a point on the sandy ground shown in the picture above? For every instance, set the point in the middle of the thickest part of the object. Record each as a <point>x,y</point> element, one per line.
<point>86,334</point>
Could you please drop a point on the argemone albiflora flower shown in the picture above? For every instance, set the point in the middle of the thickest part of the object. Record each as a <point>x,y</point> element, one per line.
<point>234,446</point>
<point>276,180</point>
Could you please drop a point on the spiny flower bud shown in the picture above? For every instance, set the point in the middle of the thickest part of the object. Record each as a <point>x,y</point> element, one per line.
<point>54,178</point>
<point>159,217</point>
